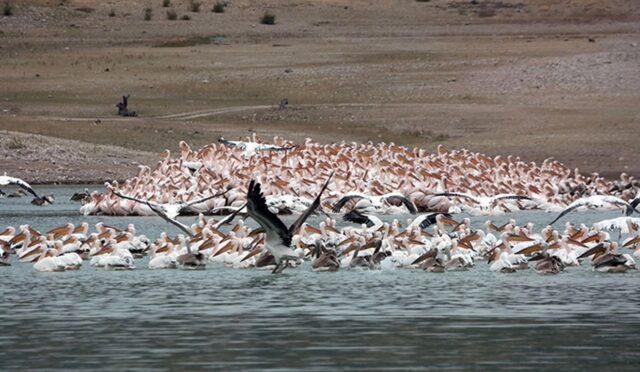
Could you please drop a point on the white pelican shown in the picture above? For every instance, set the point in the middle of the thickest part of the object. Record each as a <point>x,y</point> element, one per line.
<point>373,223</point>
<point>485,203</point>
<point>606,258</point>
<point>251,148</point>
<point>597,201</point>
<point>378,203</point>
<point>278,241</point>
<point>6,181</point>
<point>172,210</point>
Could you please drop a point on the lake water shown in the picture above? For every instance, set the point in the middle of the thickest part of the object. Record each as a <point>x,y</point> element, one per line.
<point>225,319</point>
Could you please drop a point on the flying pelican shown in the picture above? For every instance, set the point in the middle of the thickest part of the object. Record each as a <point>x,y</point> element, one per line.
<point>172,210</point>
<point>278,241</point>
<point>372,222</point>
<point>377,201</point>
<point>597,201</point>
<point>485,203</point>
<point>251,148</point>
<point>6,181</point>
<point>425,220</point>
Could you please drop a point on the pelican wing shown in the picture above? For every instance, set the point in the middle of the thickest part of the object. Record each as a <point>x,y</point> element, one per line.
<point>228,218</point>
<point>258,210</point>
<point>202,200</point>
<point>430,219</point>
<point>229,143</point>
<point>344,200</point>
<point>316,203</point>
<point>458,194</point>
<point>264,147</point>
<point>160,212</point>
<point>148,202</point>
<point>5,181</point>
<point>511,196</point>
<point>357,217</point>
<point>567,211</point>
<point>404,200</point>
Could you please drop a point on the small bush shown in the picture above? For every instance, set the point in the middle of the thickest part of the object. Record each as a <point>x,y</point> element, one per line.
<point>185,17</point>
<point>268,18</point>
<point>112,13</point>
<point>15,143</point>
<point>172,15</point>
<point>7,10</point>
<point>219,7</point>
<point>194,6</point>
<point>148,13</point>
<point>166,3</point>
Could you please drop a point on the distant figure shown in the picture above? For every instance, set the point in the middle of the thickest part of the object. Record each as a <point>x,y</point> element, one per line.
<point>122,107</point>
<point>283,104</point>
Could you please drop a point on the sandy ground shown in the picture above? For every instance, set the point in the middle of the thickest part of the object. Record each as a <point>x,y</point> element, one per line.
<point>536,78</point>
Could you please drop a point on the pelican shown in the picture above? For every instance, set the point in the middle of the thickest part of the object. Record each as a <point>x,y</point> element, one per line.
<point>597,201</point>
<point>425,220</point>
<point>6,181</point>
<point>377,202</point>
<point>278,241</point>
<point>372,222</point>
<point>606,259</point>
<point>485,203</point>
<point>172,210</point>
<point>325,259</point>
<point>251,148</point>
<point>83,197</point>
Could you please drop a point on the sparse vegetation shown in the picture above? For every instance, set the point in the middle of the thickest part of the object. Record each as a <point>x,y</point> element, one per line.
<point>15,143</point>
<point>187,42</point>
<point>185,17</point>
<point>148,13</point>
<point>172,15</point>
<point>219,7</point>
<point>7,9</point>
<point>268,18</point>
<point>112,13</point>
<point>166,3</point>
<point>194,6</point>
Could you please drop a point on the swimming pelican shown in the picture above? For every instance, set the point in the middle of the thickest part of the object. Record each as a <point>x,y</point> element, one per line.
<point>606,258</point>
<point>325,259</point>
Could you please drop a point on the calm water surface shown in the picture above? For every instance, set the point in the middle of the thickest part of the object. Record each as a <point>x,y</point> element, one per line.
<point>227,319</point>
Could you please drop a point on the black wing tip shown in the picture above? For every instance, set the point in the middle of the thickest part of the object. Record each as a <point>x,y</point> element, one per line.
<point>355,217</point>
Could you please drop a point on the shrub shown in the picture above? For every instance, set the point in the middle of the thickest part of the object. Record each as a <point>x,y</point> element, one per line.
<point>15,144</point>
<point>171,15</point>
<point>166,3</point>
<point>219,7</point>
<point>194,6</point>
<point>147,14</point>
<point>185,17</point>
<point>112,13</point>
<point>7,10</point>
<point>268,18</point>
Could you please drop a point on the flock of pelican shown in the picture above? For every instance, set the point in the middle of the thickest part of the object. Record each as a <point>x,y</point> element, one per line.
<point>372,178</point>
<point>433,242</point>
<point>259,181</point>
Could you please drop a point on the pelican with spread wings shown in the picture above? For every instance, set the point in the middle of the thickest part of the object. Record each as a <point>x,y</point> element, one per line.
<point>278,241</point>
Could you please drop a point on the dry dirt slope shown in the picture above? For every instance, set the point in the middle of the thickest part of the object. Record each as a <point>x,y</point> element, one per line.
<point>533,78</point>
